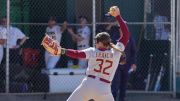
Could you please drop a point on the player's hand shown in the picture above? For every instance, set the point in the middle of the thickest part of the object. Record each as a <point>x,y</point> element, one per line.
<point>134,67</point>
<point>51,45</point>
<point>114,11</point>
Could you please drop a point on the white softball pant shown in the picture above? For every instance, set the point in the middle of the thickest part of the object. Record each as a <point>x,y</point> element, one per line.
<point>92,89</point>
<point>51,60</point>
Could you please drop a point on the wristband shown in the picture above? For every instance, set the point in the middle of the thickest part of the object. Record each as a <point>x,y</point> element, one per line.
<point>63,51</point>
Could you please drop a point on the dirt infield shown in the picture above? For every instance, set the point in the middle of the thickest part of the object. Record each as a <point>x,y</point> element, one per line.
<point>63,97</point>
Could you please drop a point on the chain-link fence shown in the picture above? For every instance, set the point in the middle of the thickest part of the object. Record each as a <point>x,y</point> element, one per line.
<point>32,69</point>
<point>151,29</point>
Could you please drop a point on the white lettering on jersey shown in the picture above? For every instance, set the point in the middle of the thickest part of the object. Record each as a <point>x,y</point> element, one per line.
<point>104,55</point>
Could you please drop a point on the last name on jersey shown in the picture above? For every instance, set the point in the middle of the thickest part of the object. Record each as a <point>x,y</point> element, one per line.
<point>104,55</point>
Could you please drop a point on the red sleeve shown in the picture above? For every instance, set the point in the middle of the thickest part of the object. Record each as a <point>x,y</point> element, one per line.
<point>124,29</point>
<point>75,53</point>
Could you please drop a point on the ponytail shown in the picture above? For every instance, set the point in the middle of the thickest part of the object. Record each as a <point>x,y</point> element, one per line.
<point>123,56</point>
<point>116,48</point>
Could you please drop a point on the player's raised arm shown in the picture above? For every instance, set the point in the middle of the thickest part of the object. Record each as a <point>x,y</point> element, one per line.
<point>115,12</point>
<point>123,30</point>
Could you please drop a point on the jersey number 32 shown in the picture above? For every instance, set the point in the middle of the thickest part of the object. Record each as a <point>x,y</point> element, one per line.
<point>103,69</point>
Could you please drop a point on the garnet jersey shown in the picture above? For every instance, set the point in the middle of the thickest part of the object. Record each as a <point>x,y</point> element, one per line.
<point>103,64</point>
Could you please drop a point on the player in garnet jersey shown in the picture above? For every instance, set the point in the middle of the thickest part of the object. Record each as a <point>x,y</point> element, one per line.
<point>103,60</point>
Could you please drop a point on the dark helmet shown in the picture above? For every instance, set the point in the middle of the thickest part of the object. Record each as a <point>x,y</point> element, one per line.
<point>103,37</point>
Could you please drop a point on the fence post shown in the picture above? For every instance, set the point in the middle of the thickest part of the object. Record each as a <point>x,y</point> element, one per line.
<point>173,54</point>
<point>94,20</point>
<point>177,49</point>
<point>7,45</point>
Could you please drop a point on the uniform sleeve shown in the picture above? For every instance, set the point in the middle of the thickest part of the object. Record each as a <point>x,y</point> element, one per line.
<point>88,52</point>
<point>19,33</point>
<point>120,45</point>
<point>123,30</point>
<point>82,54</point>
<point>75,53</point>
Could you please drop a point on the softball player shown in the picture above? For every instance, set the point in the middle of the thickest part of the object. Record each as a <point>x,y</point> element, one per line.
<point>82,38</point>
<point>13,44</point>
<point>54,31</point>
<point>3,32</point>
<point>103,61</point>
<point>84,33</point>
<point>160,29</point>
<point>121,77</point>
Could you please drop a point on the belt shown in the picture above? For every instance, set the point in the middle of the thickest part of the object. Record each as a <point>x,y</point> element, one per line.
<point>101,79</point>
<point>82,46</point>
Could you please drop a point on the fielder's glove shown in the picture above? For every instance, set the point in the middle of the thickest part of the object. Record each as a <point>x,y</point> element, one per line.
<point>51,45</point>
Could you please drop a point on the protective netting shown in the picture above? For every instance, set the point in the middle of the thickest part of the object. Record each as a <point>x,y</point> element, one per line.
<point>149,24</point>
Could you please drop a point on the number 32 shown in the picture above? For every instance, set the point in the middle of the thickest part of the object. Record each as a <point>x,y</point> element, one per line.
<point>101,68</point>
